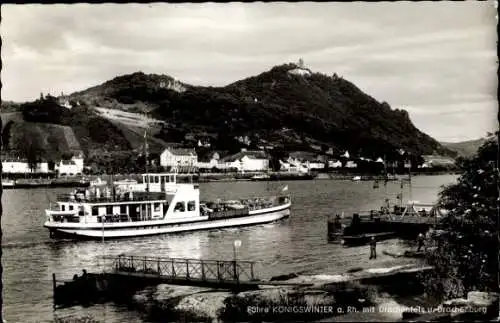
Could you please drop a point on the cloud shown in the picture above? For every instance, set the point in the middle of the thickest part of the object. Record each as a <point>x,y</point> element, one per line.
<point>408,54</point>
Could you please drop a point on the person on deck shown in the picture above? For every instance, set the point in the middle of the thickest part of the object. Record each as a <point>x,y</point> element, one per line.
<point>420,241</point>
<point>373,248</point>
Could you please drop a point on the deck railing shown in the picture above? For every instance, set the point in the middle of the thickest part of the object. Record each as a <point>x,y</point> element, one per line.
<point>185,269</point>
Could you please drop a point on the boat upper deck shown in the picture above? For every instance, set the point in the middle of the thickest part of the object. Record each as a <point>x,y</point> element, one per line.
<point>81,197</point>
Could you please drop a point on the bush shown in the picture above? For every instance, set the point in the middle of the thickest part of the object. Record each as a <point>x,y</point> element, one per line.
<point>466,257</point>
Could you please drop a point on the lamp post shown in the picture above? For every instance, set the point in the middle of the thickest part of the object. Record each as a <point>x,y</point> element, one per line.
<point>103,218</point>
<point>236,245</point>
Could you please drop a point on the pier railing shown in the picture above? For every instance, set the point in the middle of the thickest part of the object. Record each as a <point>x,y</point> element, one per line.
<point>185,269</point>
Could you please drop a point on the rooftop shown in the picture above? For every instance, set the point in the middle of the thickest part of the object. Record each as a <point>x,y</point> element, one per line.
<point>256,154</point>
<point>182,151</point>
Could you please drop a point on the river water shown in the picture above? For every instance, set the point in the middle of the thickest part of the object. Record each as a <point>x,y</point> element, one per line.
<point>298,244</point>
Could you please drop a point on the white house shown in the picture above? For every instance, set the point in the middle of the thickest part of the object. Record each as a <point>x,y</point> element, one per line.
<point>174,157</point>
<point>315,165</point>
<point>71,167</point>
<point>292,167</point>
<point>248,161</point>
<point>21,166</point>
<point>306,161</point>
<point>210,162</point>
<point>334,163</point>
<point>351,164</point>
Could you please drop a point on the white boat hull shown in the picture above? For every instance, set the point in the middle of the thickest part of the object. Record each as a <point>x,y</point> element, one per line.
<point>124,230</point>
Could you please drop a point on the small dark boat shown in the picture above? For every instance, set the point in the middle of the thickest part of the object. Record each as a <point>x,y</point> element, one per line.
<point>404,223</point>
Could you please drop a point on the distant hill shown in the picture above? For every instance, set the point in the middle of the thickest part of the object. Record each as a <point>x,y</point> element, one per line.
<point>288,106</point>
<point>465,148</point>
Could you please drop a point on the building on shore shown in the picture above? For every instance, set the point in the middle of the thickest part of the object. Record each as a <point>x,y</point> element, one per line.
<point>334,164</point>
<point>306,161</point>
<point>247,161</point>
<point>22,166</point>
<point>70,167</point>
<point>180,159</point>
<point>351,164</point>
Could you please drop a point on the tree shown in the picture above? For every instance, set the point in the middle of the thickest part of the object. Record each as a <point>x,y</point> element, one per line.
<point>466,256</point>
<point>29,144</point>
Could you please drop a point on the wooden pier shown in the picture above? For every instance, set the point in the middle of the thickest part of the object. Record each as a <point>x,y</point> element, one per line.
<point>125,274</point>
<point>182,271</point>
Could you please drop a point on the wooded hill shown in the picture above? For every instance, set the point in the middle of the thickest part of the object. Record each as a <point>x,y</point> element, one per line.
<point>288,107</point>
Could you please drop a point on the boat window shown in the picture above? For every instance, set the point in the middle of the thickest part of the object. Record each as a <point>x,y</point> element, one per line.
<point>191,205</point>
<point>123,209</point>
<point>63,207</point>
<point>157,207</point>
<point>71,207</point>
<point>179,207</point>
<point>165,208</point>
<point>157,179</point>
<point>95,210</point>
<point>109,210</point>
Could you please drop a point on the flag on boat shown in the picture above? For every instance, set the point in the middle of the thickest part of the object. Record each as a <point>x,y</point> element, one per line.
<point>285,188</point>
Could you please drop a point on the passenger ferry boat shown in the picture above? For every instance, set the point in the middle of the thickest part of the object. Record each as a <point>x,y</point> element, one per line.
<point>158,205</point>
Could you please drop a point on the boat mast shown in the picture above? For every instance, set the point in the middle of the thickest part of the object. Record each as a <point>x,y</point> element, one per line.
<point>409,176</point>
<point>401,194</point>
<point>386,178</point>
<point>146,157</point>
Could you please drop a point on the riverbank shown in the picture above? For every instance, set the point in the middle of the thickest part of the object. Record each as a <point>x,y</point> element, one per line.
<point>84,181</point>
<point>250,176</point>
<point>283,298</point>
<point>328,297</point>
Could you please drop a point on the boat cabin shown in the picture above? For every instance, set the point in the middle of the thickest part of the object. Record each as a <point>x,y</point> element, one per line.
<point>158,198</point>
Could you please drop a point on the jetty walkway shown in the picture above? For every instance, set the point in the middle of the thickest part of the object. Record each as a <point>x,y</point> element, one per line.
<point>184,271</point>
<point>125,274</point>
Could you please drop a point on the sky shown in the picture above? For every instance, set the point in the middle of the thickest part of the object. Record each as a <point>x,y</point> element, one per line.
<point>437,60</point>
